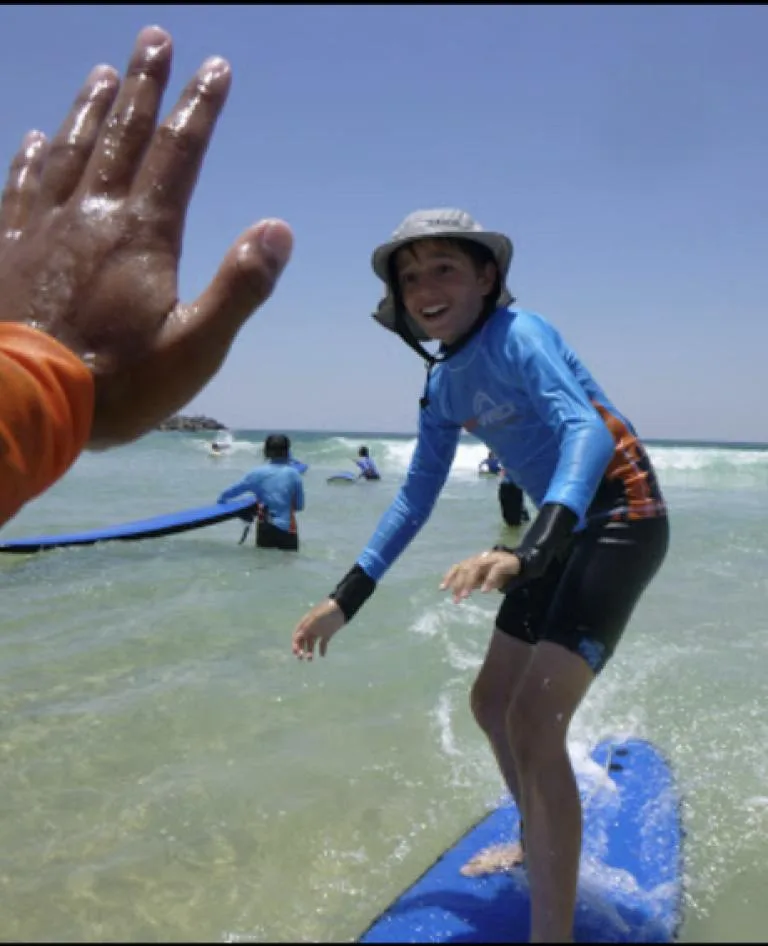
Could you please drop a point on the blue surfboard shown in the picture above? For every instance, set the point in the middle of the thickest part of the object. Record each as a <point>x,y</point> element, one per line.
<point>343,477</point>
<point>631,873</point>
<point>141,529</point>
<point>298,465</point>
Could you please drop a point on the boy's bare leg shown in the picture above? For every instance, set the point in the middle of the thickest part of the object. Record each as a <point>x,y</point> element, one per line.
<point>504,667</point>
<point>553,687</point>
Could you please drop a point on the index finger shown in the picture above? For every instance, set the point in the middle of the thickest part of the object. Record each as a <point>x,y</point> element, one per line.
<point>169,171</point>
<point>449,576</point>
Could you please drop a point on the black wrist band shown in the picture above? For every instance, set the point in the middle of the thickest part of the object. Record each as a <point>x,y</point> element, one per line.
<point>547,537</point>
<point>354,589</point>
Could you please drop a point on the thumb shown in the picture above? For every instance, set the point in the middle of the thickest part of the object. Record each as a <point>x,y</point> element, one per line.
<point>246,278</point>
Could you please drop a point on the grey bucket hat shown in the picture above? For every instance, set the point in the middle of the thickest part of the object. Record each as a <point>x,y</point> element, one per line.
<point>427,224</point>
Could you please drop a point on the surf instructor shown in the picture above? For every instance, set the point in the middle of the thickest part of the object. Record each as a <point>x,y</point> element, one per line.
<point>279,490</point>
<point>569,588</point>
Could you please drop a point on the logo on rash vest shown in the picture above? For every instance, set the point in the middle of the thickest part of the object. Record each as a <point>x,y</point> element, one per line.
<point>487,413</point>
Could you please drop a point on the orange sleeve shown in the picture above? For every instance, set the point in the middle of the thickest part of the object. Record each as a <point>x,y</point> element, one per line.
<point>46,411</point>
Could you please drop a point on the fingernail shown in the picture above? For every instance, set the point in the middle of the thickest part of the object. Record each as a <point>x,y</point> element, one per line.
<point>276,240</point>
<point>212,70</point>
<point>33,140</point>
<point>102,75</point>
<point>153,42</point>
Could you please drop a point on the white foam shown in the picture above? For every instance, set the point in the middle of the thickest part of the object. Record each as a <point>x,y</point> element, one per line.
<point>442,715</point>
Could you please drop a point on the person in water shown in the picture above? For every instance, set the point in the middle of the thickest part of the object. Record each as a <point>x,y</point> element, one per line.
<point>109,195</point>
<point>491,464</point>
<point>513,510</point>
<point>511,502</point>
<point>367,467</point>
<point>279,490</point>
<point>569,587</point>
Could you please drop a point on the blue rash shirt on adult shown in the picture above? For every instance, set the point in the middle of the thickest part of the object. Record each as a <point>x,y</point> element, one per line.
<point>518,387</point>
<point>278,486</point>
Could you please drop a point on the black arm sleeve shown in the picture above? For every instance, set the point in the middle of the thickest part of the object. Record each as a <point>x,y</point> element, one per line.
<point>547,536</point>
<point>354,589</point>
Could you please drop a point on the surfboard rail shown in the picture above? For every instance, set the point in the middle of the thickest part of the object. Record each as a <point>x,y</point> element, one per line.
<point>155,527</point>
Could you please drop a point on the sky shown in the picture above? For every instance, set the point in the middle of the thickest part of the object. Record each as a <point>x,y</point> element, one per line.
<point>623,148</point>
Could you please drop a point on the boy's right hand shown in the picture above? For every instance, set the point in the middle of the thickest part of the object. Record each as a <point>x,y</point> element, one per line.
<point>317,626</point>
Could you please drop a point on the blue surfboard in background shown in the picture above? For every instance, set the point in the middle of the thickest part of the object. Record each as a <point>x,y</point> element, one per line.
<point>343,477</point>
<point>631,875</point>
<point>141,529</point>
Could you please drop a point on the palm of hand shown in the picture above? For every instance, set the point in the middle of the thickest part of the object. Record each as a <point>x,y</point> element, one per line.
<point>62,271</point>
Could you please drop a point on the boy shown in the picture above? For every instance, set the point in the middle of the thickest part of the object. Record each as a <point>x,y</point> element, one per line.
<point>278,488</point>
<point>570,586</point>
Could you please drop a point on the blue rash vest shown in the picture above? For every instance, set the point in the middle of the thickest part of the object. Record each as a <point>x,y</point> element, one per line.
<point>490,466</point>
<point>277,485</point>
<point>367,468</point>
<point>518,387</point>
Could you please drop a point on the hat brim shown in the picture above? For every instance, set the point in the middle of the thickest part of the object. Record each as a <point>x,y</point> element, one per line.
<point>499,245</point>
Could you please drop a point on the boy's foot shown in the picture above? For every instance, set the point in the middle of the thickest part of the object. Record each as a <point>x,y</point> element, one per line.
<point>498,857</point>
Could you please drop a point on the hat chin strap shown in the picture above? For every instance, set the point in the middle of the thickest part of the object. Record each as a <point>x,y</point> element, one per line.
<point>404,331</point>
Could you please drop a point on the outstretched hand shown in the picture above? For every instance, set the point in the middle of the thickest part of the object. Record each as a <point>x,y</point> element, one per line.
<point>317,627</point>
<point>488,571</point>
<point>91,227</point>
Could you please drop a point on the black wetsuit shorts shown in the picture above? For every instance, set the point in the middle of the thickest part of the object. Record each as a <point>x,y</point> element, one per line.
<point>269,536</point>
<point>585,598</point>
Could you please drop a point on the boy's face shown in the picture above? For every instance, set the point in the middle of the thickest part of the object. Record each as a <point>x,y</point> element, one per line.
<point>442,287</point>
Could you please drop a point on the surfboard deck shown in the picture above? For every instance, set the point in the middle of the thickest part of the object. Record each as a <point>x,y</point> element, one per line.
<point>631,874</point>
<point>141,529</point>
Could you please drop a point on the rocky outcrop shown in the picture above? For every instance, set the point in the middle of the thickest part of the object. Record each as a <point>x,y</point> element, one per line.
<point>196,422</point>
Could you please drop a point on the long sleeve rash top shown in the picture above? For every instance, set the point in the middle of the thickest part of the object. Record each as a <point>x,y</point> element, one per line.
<point>518,387</point>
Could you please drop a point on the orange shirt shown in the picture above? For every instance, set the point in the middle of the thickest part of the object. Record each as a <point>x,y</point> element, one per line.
<point>46,411</point>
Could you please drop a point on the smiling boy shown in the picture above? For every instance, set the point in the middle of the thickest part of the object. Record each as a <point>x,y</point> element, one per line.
<point>570,587</point>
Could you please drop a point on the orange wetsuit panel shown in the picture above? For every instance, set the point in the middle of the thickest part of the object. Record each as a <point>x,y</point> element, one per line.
<point>46,411</point>
<point>631,468</point>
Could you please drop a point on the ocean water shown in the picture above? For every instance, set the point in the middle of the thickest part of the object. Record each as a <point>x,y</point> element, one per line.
<point>169,772</point>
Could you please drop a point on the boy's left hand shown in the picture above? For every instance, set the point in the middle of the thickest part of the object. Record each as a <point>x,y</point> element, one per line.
<point>487,571</point>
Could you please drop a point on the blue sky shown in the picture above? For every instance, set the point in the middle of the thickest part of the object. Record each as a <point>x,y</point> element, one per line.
<point>624,149</point>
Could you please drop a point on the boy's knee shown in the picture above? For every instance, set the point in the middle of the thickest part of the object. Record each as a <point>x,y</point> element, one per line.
<point>488,706</point>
